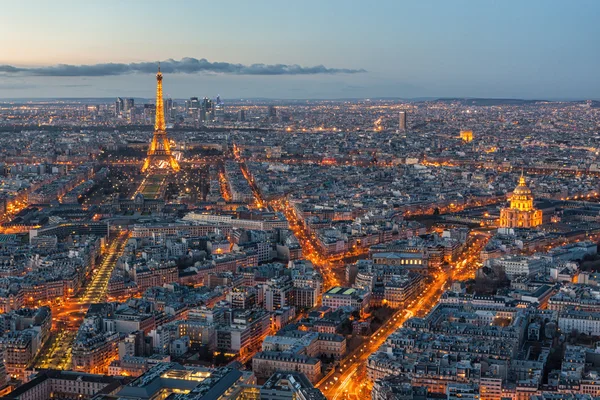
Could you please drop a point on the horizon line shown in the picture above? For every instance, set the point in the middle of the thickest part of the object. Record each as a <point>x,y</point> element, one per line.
<point>416,98</point>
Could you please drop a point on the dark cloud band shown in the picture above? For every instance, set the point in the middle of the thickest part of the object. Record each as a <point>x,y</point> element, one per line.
<point>184,66</point>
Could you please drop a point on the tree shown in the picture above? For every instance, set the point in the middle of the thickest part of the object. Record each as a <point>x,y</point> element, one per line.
<point>346,327</point>
<point>220,358</point>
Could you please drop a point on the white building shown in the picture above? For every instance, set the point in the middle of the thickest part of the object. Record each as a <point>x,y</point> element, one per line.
<point>518,265</point>
<point>581,321</point>
<point>338,296</point>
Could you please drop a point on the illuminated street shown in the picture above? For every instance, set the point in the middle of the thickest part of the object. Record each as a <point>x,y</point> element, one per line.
<point>349,383</point>
<point>96,291</point>
<point>57,352</point>
<point>66,318</point>
<point>223,187</point>
<point>310,248</point>
<point>12,208</point>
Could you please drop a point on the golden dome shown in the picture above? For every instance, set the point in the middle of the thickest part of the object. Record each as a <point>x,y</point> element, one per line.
<point>521,213</point>
<point>522,189</point>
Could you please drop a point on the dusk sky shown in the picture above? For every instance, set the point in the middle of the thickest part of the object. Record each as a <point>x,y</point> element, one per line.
<point>539,49</point>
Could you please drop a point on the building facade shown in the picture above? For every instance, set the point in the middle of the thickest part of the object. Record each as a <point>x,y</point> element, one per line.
<point>521,213</point>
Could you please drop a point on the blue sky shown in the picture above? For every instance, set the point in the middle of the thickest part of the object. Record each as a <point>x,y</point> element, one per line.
<point>475,48</point>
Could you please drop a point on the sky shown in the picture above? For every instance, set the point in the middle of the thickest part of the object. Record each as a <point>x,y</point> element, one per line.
<point>533,49</point>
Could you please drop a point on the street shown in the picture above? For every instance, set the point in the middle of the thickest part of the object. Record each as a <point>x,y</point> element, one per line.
<point>66,318</point>
<point>352,380</point>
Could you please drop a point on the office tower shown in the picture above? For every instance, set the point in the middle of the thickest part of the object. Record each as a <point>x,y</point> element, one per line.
<point>169,109</point>
<point>208,111</point>
<point>242,115</point>
<point>149,112</point>
<point>402,121</point>
<point>128,105</point>
<point>174,111</point>
<point>219,110</point>
<point>193,107</point>
<point>272,113</point>
<point>118,106</point>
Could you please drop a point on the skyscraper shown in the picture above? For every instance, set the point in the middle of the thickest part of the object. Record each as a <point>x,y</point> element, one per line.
<point>118,106</point>
<point>194,107</point>
<point>219,110</point>
<point>169,110</point>
<point>128,104</point>
<point>402,121</point>
<point>149,112</point>
<point>272,113</point>
<point>208,111</point>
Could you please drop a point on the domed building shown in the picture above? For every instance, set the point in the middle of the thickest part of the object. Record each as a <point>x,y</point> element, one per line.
<point>521,213</point>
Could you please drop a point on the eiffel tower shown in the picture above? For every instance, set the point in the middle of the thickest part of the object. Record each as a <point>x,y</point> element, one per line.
<point>159,154</point>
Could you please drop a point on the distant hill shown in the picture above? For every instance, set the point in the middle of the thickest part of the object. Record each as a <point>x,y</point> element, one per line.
<point>491,102</point>
<point>592,103</point>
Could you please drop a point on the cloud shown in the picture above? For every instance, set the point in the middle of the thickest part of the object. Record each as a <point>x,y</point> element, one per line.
<point>75,85</point>
<point>16,86</point>
<point>183,66</point>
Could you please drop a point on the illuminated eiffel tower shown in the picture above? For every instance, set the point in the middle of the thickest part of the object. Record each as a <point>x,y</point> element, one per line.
<point>159,154</point>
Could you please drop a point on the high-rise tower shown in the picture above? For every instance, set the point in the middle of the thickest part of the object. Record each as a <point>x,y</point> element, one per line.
<point>402,121</point>
<point>159,153</point>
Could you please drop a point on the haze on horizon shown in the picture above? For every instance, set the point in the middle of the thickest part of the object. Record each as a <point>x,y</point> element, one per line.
<point>532,49</point>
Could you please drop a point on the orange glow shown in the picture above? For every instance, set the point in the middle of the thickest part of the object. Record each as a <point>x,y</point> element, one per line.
<point>353,380</point>
<point>466,135</point>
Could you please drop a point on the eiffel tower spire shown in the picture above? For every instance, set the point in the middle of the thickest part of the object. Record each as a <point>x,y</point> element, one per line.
<point>159,122</point>
<point>159,154</point>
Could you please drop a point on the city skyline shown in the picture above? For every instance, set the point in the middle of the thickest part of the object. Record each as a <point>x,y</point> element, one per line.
<point>335,200</point>
<point>533,50</point>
